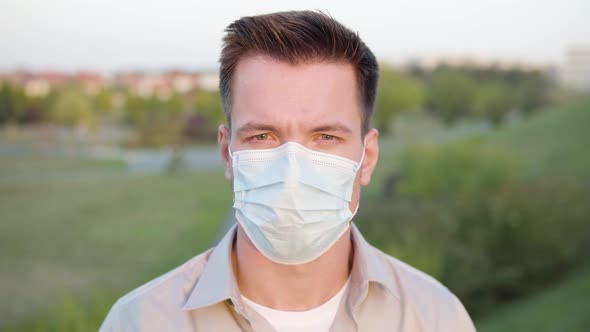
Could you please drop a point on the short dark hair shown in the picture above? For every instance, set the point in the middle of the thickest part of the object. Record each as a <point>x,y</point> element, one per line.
<point>298,37</point>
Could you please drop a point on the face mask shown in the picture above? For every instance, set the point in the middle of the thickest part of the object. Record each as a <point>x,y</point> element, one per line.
<point>291,201</point>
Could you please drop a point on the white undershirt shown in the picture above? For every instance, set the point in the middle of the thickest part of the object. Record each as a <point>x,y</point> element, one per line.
<point>317,319</point>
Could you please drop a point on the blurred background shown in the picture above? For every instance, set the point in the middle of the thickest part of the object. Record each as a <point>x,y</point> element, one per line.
<point>109,174</point>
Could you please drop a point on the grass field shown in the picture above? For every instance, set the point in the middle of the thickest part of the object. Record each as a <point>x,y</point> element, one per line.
<point>563,307</point>
<point>75,235</point>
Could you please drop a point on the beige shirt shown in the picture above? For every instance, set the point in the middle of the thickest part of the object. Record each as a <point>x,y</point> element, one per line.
<point>384,294</point>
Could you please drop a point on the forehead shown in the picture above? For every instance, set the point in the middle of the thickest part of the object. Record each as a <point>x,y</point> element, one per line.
<point>271,90</point>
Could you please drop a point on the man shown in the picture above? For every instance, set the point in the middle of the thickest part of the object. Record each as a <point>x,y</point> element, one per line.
<point>298,91</point>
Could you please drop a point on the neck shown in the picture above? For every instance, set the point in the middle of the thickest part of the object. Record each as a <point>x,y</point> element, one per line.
<point>291,287</point>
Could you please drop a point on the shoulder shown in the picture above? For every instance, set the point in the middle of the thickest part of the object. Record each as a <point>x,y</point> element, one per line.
<point>414,284</point>
<point>434,304</point>
<point>166,293</point>
<point>172,283</point>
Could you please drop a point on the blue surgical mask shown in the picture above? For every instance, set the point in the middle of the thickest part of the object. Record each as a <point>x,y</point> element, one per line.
<point>293,202</point>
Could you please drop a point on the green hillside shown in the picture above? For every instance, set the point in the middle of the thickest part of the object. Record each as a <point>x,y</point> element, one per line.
<point>563,307</point>
<point>556,141</point>
<point>508,208</point>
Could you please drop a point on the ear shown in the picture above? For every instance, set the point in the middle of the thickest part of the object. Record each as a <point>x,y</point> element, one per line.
<point>223,141</point>
<point>371,156</point>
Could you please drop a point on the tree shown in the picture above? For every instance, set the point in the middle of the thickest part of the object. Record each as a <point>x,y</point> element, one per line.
<point>156,122</point>
<point>7,107</point>
<point>103,101</point>
<point>535,91</point>
<point>16,106</point>
<point>208,103</point>
<point>72,108</point>
<point>397,92</point>
<point>451,94</point>
<point>493,100</point>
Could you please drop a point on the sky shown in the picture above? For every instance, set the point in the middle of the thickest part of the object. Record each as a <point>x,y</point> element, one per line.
<point>114,35</point>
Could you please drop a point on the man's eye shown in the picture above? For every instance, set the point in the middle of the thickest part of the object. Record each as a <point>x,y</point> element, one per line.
<point>261,137</point>
<point>326,137</point>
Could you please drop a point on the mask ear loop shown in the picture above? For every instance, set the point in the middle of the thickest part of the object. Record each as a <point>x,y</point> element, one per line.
<point>362,158</point>
<point>229,151</point>
<point>360,163</point>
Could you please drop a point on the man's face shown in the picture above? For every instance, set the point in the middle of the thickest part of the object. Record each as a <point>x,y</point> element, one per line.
<point>316,105</point>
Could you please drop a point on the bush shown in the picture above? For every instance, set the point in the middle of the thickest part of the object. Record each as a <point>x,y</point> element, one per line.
<point>466,216</point>
<point>462,168</point>
<point>72,108</point>
<point>512,240</point>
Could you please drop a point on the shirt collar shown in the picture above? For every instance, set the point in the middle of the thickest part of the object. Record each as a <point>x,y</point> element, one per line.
<point>217,282</point>
<point>368,267</point>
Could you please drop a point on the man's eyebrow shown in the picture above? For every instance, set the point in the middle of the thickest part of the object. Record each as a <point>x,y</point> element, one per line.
<point>332,127</point>
<point>258,126</point>
<point>254,126</point>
